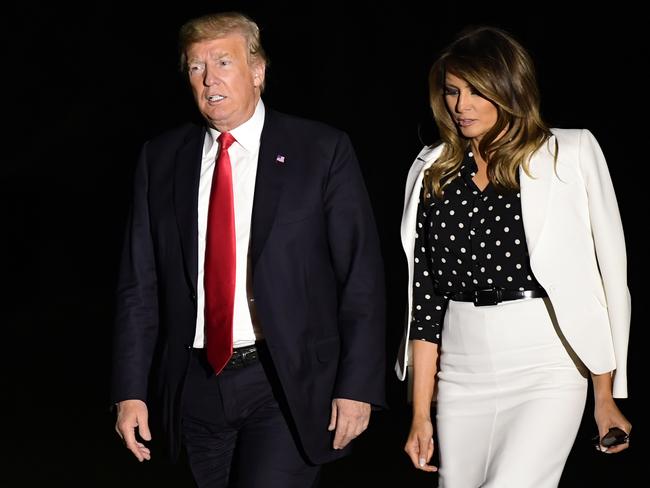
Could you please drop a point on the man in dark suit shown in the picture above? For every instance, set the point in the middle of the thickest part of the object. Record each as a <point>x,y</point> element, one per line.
<point>251,293</point>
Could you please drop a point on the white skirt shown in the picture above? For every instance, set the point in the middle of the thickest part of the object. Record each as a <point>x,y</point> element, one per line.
<point>511,395</point>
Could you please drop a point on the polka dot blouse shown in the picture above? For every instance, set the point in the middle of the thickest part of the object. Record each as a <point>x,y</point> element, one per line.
<point>468,240</point>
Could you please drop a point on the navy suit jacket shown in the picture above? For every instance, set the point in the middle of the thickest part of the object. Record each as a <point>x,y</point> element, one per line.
<point>317,275</point>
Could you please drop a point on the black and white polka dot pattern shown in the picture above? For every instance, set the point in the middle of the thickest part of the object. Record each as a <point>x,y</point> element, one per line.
<point>467,240</point>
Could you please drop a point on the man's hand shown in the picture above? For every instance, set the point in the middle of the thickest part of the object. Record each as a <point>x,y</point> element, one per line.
<point>132,414</point>
<point>350,418</point>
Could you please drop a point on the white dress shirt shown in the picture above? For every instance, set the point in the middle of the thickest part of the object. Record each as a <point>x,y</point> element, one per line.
<point>243,159</point>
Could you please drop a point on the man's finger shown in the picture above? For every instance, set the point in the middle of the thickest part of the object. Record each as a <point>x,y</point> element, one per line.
<point>333,416</point>
<point>144,451</point>
<point>143,428</point>
<point>342,436</point>
<point>132,446</point>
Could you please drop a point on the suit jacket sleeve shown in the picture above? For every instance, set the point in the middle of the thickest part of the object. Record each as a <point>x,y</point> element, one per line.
<point>609,242</point>
<point>357,263</point>
<point>136,324</point>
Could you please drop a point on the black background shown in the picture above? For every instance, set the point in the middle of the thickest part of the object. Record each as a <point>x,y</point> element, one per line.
<point>85,86</point>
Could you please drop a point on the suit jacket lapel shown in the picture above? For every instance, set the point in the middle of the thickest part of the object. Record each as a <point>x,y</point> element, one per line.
<point>187,168</point>
<point>535,193</point>
<point>271,171</point>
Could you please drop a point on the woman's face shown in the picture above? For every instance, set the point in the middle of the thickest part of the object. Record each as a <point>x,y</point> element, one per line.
<point>473,114</point>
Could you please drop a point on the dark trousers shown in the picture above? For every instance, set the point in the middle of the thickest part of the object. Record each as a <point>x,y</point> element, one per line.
<point>235,432</point>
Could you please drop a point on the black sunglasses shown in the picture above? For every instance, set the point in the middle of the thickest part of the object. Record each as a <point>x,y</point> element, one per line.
<point>614,437</point>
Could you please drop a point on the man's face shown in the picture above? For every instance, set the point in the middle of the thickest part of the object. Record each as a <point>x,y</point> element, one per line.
<point>225,86</point>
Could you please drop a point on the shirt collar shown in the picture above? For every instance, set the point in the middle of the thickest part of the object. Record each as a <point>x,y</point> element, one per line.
<point>247,135</point>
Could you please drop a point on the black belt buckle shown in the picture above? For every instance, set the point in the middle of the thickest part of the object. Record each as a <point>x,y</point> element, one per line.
<point>487,296</point>
<point>242,358</point>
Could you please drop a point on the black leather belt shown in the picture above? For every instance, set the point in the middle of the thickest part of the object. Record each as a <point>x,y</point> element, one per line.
<point>242,357</point>
<point>492,296</point>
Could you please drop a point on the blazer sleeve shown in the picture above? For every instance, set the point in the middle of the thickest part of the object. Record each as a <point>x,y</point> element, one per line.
<point>609,241</point>
<point>358,266</point>
<point>136,320</point>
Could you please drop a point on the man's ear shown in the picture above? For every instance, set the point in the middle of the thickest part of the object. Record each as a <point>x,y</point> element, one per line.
<point>259,71</point>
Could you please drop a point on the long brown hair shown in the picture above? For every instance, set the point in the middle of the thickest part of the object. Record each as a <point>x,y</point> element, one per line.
<point>502,71</point>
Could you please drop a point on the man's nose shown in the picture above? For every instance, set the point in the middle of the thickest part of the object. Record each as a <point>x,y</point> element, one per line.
<point>211,77</point>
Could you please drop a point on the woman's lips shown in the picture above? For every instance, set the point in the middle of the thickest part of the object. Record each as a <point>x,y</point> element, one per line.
<point>466,122</point>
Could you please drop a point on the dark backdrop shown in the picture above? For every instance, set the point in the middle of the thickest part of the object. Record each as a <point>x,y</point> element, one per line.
<point>87,85</point>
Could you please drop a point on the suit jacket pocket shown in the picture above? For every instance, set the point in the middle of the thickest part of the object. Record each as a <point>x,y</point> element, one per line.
<point>327,349</point>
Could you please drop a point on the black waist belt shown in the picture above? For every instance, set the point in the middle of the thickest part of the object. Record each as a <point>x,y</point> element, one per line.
<point>241,357</point>
<point>492,296</point>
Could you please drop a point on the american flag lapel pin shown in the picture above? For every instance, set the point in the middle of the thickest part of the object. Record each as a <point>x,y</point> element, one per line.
<point>279,158</point>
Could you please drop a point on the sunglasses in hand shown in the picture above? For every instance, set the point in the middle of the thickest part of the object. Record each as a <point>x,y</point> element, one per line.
<point>614,437</point>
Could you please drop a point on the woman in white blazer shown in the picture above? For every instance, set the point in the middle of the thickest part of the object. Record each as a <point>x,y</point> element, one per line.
<point>517,277</point>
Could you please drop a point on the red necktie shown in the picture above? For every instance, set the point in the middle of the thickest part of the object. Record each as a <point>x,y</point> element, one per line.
<point>220,253</point>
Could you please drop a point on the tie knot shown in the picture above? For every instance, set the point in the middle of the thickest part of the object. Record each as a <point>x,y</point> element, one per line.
<point>225,140</point>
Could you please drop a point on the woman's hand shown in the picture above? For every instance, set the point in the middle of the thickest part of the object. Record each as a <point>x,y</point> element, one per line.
<point>419,445</point>
<point>608,415</point>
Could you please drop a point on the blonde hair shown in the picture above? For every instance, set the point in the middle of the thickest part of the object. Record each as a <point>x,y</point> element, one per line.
<point>214,26</point>
<point>501,70</point>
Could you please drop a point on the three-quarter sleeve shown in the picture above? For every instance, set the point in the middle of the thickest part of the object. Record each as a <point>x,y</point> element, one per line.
<point>428,307</point>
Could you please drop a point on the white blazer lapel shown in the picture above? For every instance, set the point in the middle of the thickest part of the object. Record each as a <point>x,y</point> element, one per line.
<point>535,192</point>
<point>412,193</point>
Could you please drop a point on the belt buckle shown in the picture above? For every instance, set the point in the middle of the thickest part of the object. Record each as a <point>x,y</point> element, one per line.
<point>246,353</point>
<point>487,296</point>
<point>240,359</point>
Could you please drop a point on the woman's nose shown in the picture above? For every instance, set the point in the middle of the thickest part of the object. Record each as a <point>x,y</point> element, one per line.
<point>463,102</point>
